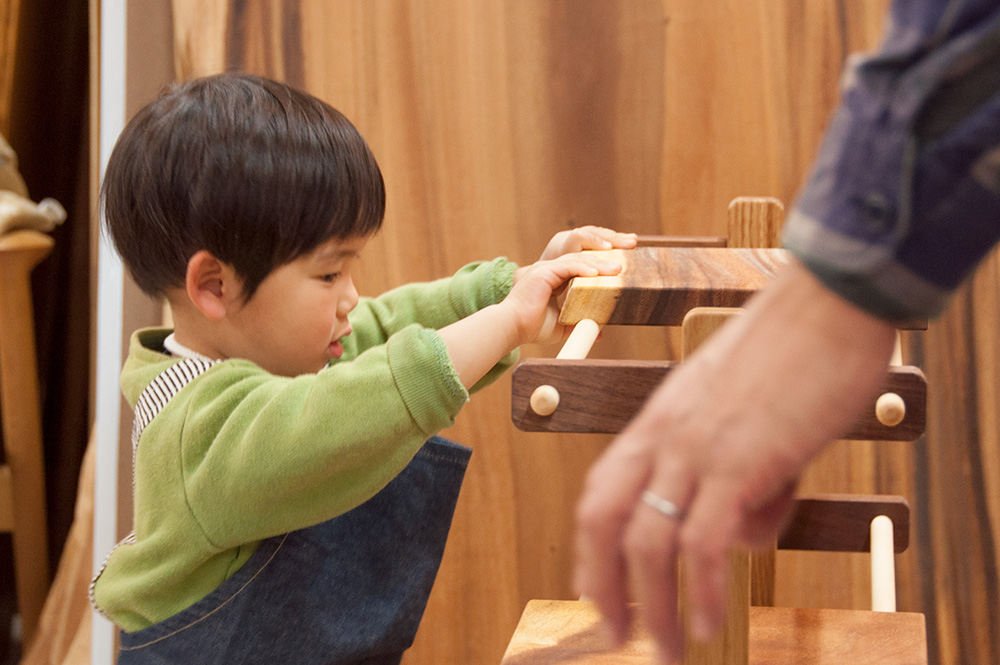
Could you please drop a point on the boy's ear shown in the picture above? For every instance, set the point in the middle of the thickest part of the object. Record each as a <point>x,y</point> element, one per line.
<point>211,284</point>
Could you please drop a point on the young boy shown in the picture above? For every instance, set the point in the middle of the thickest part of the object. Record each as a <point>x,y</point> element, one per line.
<point>287,508</point>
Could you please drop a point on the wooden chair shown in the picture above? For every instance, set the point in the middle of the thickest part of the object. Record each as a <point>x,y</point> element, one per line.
<point>673,283</point>
<point>22,479</point>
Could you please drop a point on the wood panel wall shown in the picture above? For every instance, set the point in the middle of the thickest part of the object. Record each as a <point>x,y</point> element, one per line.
<point>500,123</point>
<point>9,10</point>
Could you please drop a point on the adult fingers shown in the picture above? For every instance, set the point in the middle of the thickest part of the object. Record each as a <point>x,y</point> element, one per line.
<point>609,498</point>
<point>762,525</point>
<point>651,544</point>
<point>711,528</point>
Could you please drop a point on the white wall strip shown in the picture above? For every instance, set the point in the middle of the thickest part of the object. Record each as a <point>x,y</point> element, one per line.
<point>109,319</point>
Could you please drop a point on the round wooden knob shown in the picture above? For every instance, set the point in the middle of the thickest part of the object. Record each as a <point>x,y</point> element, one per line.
<point>890,409</point>
<point>544,400</point>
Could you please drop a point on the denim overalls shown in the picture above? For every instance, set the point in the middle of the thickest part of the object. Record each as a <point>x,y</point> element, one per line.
<point>348,591</point>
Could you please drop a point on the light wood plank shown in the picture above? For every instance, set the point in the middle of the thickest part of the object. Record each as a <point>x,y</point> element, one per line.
<point>569,632</point>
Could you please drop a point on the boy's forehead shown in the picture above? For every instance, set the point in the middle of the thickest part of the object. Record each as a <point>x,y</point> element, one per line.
<point>337,248</point>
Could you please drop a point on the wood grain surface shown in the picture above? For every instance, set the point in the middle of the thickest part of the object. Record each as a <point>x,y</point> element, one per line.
<point>569,632</point>
<point>497,124</point>
<point>9,12</point>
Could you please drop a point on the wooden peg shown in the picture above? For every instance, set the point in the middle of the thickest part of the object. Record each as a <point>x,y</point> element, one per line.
<point>890,409</point>
<point>545,398</point>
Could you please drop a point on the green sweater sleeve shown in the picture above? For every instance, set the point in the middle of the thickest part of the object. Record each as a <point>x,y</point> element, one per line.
<point>433,305</point>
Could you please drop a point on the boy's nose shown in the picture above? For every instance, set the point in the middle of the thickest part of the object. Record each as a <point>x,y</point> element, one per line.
<point>349,300</point>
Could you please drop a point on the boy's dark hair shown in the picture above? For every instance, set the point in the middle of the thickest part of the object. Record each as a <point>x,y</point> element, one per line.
<point>251,170</point>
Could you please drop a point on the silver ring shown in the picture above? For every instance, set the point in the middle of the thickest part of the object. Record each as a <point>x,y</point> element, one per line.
<point>668,509</point>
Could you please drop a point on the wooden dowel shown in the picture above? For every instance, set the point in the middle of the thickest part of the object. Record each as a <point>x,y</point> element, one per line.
<point>883,566</point>
<point>579,342</point>
<point>545,398</point>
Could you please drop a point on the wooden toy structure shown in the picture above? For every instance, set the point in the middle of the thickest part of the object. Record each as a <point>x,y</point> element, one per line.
<point>698,284</point>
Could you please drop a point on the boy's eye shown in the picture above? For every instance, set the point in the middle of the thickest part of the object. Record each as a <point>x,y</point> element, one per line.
<point>330,277</point>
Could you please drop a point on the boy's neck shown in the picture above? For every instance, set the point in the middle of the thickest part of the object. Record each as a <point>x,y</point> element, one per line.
<point>192,336</point>
<point>175,348</point>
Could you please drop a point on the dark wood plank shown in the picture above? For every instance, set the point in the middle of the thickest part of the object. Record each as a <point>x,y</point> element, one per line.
<point>841,522</point>
<point>601,396</point>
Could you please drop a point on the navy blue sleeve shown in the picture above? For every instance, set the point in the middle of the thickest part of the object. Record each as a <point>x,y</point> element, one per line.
<point>904,198</point>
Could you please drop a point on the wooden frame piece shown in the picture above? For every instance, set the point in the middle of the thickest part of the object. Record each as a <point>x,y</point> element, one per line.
<point>602,396</point>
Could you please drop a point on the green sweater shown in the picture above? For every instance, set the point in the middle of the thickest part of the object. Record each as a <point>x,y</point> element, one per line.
<point>240,455</point>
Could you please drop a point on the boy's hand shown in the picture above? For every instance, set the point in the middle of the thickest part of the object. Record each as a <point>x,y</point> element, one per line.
<point>531,302</point>
<point>579,239</point>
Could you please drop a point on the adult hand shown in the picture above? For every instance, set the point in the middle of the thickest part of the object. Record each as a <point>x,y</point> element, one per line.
<point>725,438</point>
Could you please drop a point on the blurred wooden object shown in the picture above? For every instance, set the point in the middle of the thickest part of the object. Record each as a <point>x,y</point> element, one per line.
<point>22,477</point>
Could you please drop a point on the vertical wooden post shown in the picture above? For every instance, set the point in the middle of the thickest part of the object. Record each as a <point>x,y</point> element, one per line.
<point>732,645</point>
<point>755,222</point>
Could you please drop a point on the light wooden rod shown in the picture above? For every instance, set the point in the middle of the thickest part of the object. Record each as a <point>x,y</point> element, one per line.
<point>883,566</point>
